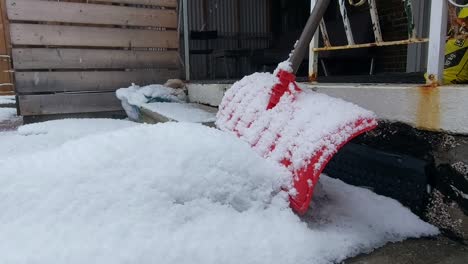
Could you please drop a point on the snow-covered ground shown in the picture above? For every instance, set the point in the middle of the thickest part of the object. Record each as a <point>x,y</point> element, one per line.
<point>110,191</point>
<point>182,112</point>
<point>48,135</point>
<point>9,120</point>
<point>134,97</point>
<point>7,114</point>
<point>8,117</point>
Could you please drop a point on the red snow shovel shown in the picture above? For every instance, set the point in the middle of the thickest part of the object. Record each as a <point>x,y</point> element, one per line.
<point>299,129</point>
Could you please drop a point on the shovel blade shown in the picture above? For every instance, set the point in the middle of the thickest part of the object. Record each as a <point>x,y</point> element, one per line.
<point>301,132</point>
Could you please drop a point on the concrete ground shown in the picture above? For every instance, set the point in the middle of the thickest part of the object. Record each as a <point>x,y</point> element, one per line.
<point>439,250</point>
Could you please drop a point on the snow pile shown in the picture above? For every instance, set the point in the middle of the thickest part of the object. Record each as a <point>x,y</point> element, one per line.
<point>176,193</point>
<point>182,112</point>
<point>297,128</point>
<point>7,114</point>
<point>7,99</point>
<point>51,134</point>
<point>135,96</point>
<point>166,101</point>
<point>345,216</point>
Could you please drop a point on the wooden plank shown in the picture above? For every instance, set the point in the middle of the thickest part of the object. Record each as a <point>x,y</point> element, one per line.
<point>35,82</point>
<point>43,118</point>
<point>68,103</point>
<point>6,84</point>
<point>53,35</point>
<point>69,12</point>
<point>42,58</point>
<point>5,75</point>
<point>186,40</point>
<point>164,3</point>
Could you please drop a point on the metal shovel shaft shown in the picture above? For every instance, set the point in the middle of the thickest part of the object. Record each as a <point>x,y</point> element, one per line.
<point>307,34</point>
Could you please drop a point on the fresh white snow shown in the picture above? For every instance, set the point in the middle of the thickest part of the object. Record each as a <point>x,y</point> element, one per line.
<point>182,112</point>
<point>7,99</point>
<point>135,96</point>
<point>283,66</point>
<point>108,191</point>
<point>7,114</point>
<point>42,136</point>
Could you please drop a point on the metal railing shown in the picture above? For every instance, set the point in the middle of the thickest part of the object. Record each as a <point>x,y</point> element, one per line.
<point>439,7</point>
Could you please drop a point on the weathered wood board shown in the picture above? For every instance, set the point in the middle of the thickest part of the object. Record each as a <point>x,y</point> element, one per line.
<point>67,103</point>
<point>54,35</point>
<point>6,86</point>
<point>164,3</point>
<point>69,12</point>
<point>88,81</point>
<point>61,58</point>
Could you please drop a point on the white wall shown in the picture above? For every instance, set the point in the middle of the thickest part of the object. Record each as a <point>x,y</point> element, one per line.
<point>437,109</point>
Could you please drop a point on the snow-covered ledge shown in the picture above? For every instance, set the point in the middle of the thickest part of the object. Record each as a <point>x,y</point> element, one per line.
<point>440,109</point>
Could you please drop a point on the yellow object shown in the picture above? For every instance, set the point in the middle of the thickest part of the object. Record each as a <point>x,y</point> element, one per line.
<point>456,58</point>
<point>463,13</point>
<point>456,61</point>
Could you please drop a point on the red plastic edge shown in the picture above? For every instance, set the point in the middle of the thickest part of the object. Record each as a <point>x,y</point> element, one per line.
<point>301,201</point>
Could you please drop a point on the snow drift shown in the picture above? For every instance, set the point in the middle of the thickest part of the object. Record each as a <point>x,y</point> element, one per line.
<point>40,136</point>
<point>176,193</point>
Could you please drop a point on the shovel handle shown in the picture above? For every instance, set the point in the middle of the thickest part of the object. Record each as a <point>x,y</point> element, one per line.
<point>308,33</point>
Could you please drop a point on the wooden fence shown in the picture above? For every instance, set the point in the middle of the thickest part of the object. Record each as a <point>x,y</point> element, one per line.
<point>70,56</point>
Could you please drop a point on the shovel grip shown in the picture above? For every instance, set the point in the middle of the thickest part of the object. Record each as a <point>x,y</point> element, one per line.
<point>308,33</point>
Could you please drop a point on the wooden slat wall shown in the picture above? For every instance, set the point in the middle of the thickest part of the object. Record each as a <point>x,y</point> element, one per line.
<point>70,57</point>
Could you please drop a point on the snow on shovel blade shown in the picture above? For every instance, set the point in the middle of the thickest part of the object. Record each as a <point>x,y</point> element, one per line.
<point>301,130</point>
